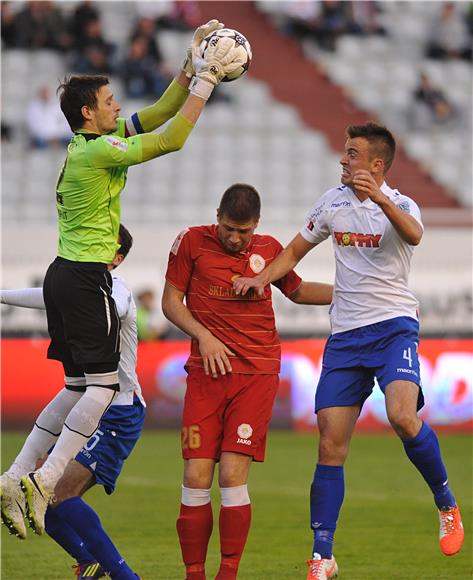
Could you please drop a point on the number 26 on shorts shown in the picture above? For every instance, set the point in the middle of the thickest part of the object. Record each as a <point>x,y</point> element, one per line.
<point>190,437</point>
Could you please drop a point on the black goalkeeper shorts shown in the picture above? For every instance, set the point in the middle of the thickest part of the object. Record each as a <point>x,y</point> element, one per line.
<point>82,317</point>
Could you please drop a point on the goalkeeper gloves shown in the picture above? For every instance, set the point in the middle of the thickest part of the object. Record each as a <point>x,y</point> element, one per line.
<point>193,51</point>
<point>221,58</point>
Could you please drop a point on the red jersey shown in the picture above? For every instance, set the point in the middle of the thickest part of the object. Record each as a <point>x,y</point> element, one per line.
<point>200,267</point>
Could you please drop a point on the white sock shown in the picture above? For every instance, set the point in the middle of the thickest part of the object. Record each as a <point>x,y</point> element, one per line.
<point>194,497</point>
<point>79,426</point>
<point>47,428</point>
<point>235,496</point>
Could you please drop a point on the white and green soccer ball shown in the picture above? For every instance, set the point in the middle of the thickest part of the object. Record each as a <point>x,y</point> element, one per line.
<point>241,44</point>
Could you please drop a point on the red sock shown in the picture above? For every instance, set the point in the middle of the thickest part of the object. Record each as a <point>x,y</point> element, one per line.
<point>194,528</point>
<point>234,524</point>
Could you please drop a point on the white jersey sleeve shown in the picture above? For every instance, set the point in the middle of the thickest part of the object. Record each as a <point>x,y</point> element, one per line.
<point>407,205</point>
<point>316,228</point>
<point>25,297</point>
<point>127,377</point>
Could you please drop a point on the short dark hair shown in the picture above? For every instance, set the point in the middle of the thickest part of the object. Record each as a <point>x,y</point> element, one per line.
<point>379,137</point>
<point>77,91</point>
<point>125,240</point>
<point>241,203</point>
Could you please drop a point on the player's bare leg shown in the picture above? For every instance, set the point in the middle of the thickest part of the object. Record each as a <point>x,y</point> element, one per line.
<point>336,425</point>
<point>422,447</point>
<point>235,512</point>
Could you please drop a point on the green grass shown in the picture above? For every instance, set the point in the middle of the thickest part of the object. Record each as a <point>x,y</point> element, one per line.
<point>387,529</point>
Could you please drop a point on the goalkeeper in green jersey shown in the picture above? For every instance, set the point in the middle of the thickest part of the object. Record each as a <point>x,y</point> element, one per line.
<point>83,322</point>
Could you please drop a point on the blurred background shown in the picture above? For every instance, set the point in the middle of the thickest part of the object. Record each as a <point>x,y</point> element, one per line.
<point>317,67</point>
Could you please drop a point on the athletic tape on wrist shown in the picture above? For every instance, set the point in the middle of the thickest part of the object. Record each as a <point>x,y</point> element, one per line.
<point>201,88</point>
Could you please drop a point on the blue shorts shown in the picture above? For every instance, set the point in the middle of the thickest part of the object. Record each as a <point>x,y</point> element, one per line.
<point>386,350</point>
<point>107,449</point>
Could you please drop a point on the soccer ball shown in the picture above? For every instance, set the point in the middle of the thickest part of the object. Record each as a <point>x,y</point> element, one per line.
<point>241,44</point>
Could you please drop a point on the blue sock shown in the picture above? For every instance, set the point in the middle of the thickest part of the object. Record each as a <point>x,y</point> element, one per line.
<point>424,452</point>
<point>62,533</point>
<point>86,524</point>
<point>326,497</point>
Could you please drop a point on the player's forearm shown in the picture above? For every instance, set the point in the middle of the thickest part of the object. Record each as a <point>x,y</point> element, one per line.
<point>171,139</point>
<point>167,106</point>
<point>406,226</point>
<point>25,297</point>
<point>315,293</point>
<point>178,313</point>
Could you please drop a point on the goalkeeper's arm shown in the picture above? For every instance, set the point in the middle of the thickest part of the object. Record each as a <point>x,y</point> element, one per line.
<point>25,297</point>
<point>152,117</point>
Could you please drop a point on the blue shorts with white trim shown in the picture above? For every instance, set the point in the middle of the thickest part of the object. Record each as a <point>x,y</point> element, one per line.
<point>352,360</point>
<point>113,441</point>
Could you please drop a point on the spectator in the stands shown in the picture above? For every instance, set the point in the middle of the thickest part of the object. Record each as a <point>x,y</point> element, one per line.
<point>141,74</point>
<point>41,25</point>
<point>180,16</point>
<point>46,124</point>
<point>366,16</point>
<point>431,106</point>
<point>84,13</point>
<point>94,55</point>
<point>150,321</point>
<point>449,36</point>
<point>7,24</point>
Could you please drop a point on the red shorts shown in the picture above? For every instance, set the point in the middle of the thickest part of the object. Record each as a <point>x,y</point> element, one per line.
<point>230,413</point>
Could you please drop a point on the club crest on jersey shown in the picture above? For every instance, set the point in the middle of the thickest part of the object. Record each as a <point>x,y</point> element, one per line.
<point>404,206</point>
<point>257,263</point>
<point>245,431</point>
<point>360,240</point>
<point>122,145</point>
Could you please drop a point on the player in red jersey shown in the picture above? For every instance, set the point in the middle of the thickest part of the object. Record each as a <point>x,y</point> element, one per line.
<point>232,369</point>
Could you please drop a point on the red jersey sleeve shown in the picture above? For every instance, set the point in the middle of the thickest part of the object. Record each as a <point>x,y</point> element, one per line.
<point>180,263</point>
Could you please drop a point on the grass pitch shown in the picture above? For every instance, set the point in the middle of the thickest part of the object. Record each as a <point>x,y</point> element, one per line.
<point>387,529</point>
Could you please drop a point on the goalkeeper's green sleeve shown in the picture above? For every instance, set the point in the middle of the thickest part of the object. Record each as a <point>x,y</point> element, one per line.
<point>171,139</point>
<point>163,109</point>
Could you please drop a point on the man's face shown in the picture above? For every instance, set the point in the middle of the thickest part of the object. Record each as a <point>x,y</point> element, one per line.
<point>357,156</point>
<point>105,115</point>
<point>235,236</point>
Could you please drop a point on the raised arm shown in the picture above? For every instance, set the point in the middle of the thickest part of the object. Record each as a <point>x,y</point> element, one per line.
<point>284,263</point>
<point>152,117</point>
<point>25,297</point>
<point>214,353</point>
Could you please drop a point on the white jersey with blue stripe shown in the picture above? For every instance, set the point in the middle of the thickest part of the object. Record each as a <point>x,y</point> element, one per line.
<point>372,260</point>
<point>127,378</point>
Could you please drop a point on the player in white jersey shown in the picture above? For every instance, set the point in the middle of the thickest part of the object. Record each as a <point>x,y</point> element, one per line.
<point>375,332</point>
<point>69,520</point>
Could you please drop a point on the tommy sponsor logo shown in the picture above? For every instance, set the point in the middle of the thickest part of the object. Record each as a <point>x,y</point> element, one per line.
<point>360,240</point>
<point>257,263</point>
<point>121,145</point>
<point>244,431</point>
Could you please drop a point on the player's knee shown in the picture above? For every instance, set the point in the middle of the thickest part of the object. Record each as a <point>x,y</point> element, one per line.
<point>333,451</point>
<point>405,424</point>
<point>197,477</point>
<point>63,491</point>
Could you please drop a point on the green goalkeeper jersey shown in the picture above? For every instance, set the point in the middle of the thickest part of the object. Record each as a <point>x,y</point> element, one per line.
<point>94,174</point>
